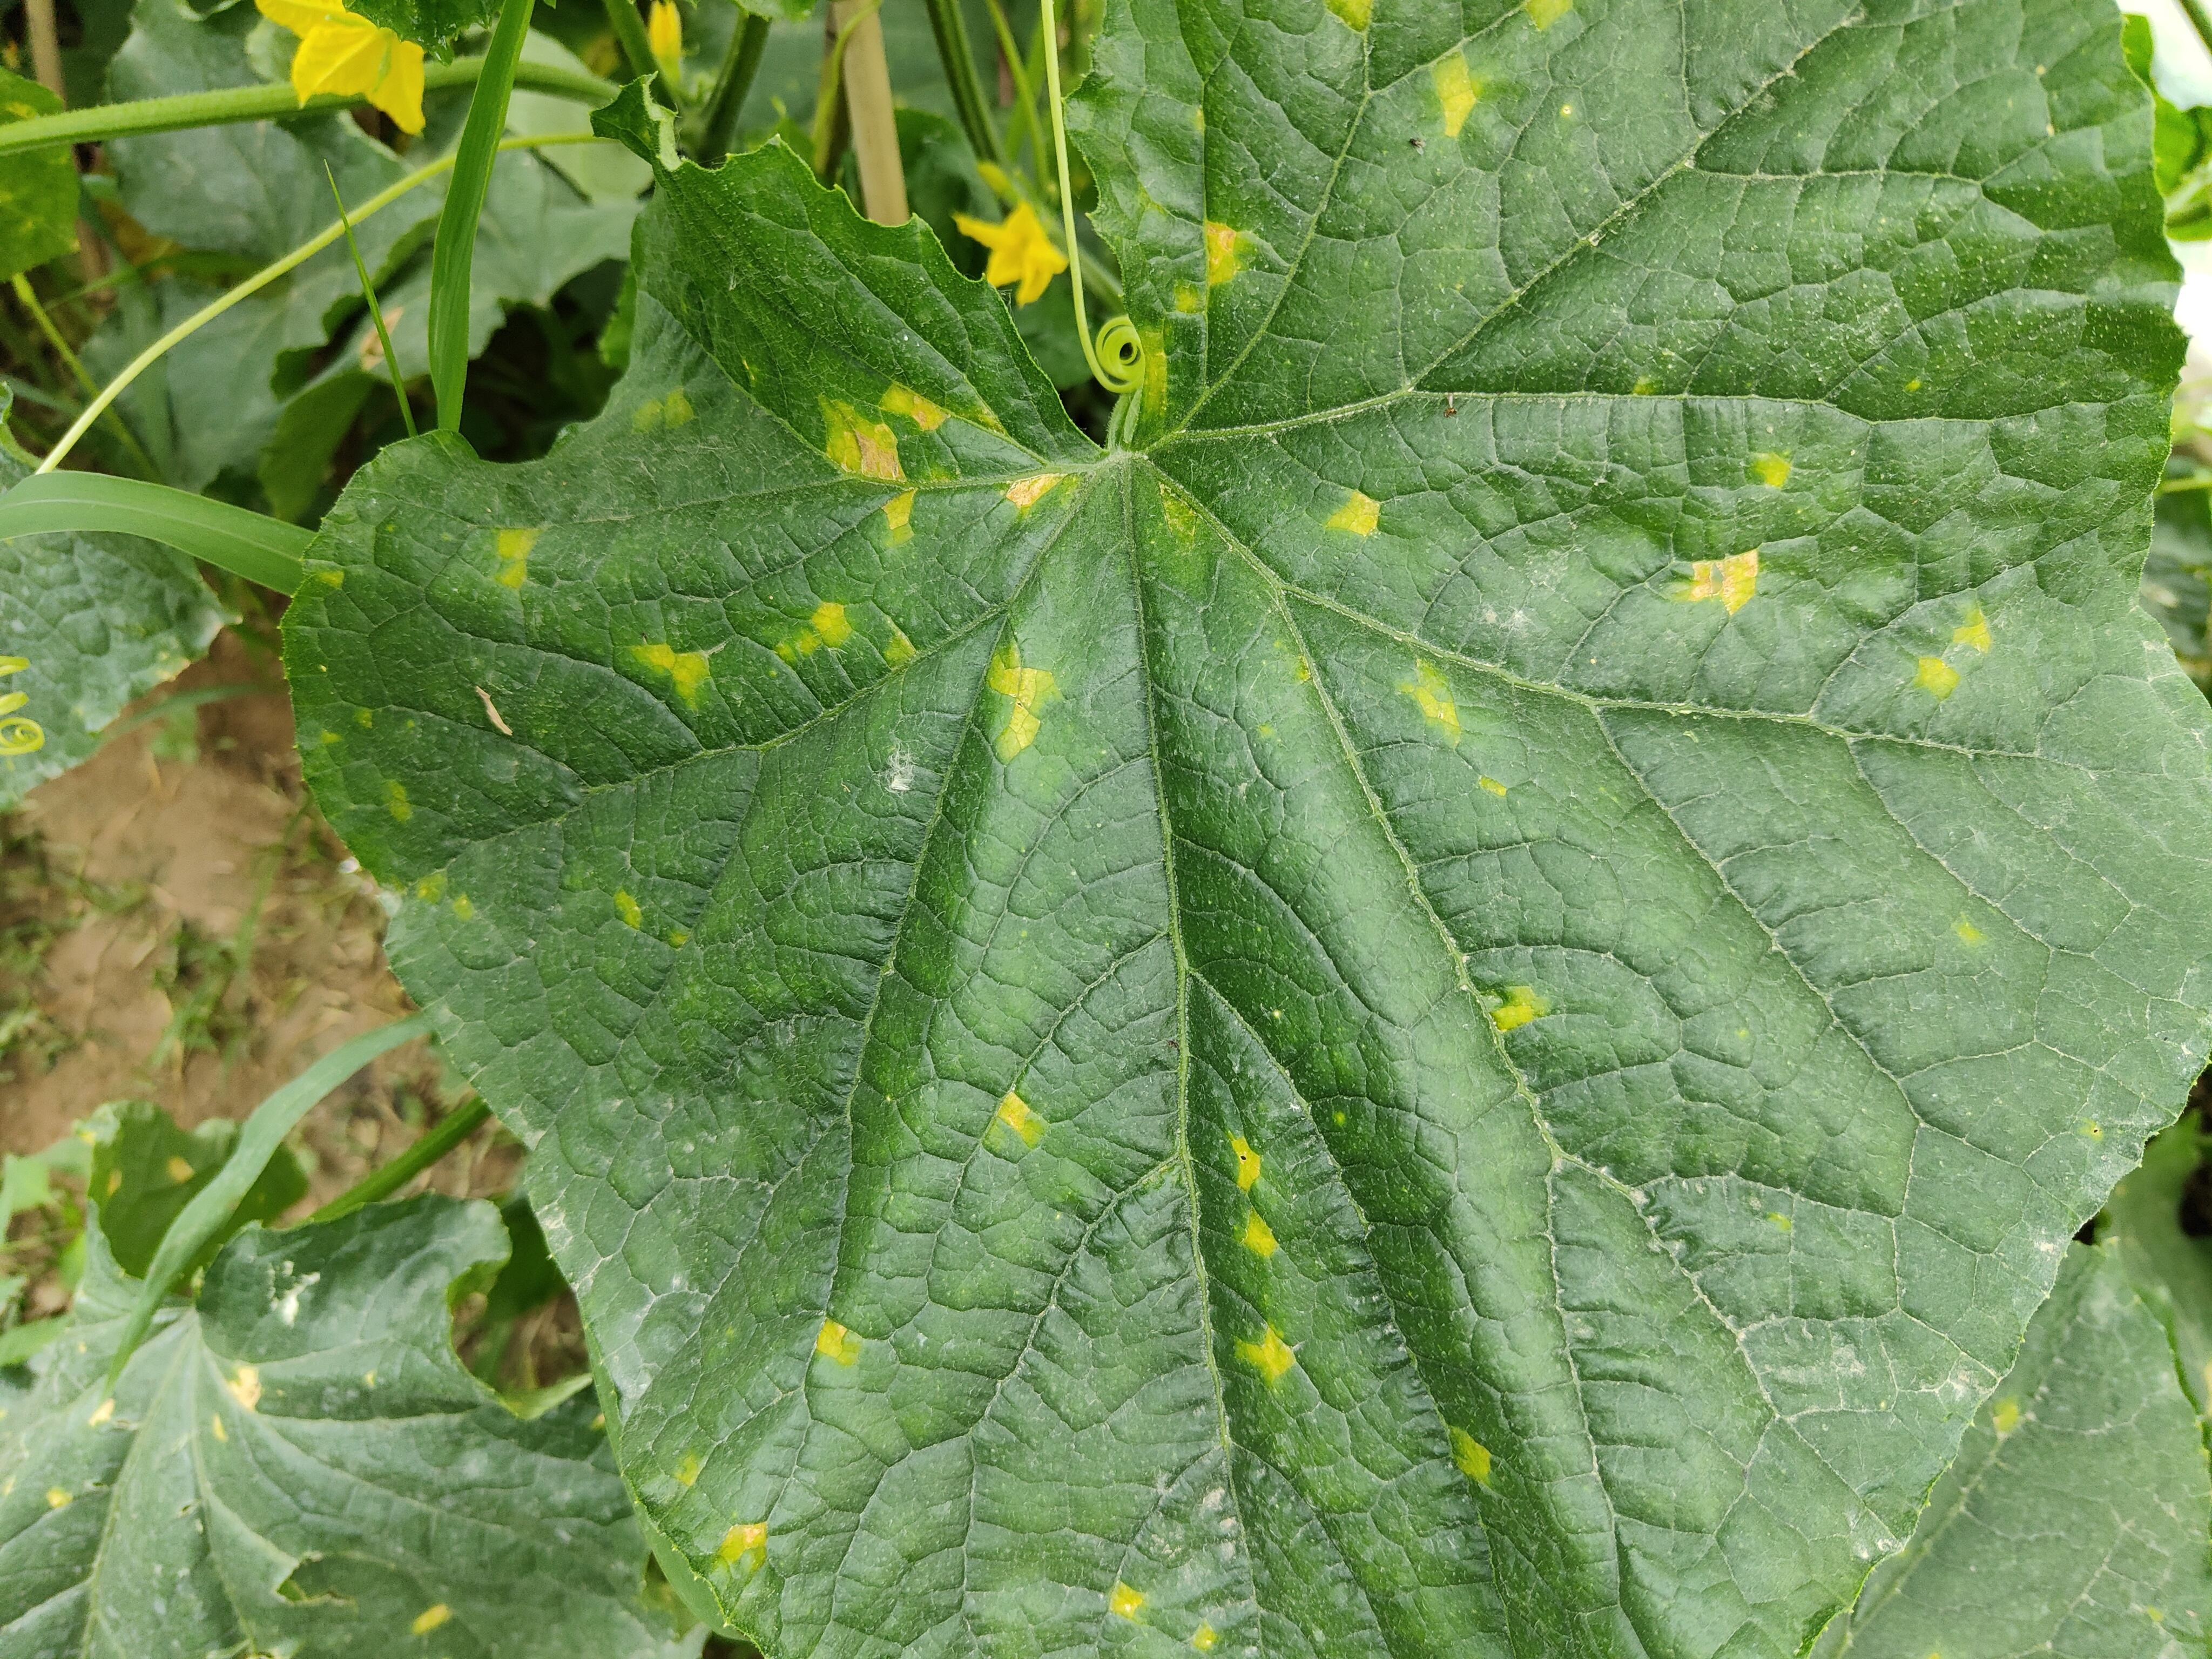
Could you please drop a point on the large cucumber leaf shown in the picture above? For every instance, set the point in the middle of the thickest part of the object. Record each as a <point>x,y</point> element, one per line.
<point>300,1465</point>
<point>1462,1006</point>
<point>2075,1521</point>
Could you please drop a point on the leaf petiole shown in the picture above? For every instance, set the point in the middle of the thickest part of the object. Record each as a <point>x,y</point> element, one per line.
<point>449,1131</point>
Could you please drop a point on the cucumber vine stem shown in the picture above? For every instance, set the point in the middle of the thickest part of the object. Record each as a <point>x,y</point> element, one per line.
<point>739,66</point>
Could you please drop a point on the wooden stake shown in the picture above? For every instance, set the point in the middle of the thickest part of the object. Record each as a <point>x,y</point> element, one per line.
<point>868,81</point>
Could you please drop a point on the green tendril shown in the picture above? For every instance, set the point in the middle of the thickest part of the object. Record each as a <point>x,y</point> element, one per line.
<point>1117,358</point>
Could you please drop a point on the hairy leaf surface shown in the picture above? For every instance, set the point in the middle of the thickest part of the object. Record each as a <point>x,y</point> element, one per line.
<point>2074,1522</point>
<point>300,1465</point>
<point>1462,1006</point>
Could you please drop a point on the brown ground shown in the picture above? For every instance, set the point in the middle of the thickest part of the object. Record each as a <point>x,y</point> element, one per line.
<point>178,924</point>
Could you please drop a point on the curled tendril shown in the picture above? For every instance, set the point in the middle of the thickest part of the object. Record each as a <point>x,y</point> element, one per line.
<point>1119,355</point>
<point>1115,360</point>
<point>19,736</point>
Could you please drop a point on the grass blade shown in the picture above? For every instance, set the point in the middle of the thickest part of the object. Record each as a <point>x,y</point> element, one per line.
<point>250,544</point>
<point>454,253</point>
<point>375,311</point>
<point>429,1147</point>
<point>272,1119</point>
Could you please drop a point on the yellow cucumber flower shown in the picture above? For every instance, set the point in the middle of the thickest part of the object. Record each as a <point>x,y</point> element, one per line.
<point>352,56</point>
<point>1020,252</point>
<point>664,31</point>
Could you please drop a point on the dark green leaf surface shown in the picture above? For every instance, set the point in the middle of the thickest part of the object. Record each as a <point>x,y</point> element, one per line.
<point>1348,1034</point>
<point>98,619</point>
<point>145,1170</point>
<point>38,191</point>
<point>2074,1523</point>
<point>300,1465</point>
<point>2155,1220</point>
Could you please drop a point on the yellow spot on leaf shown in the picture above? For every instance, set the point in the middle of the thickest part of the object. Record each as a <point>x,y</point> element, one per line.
<point>1912,385</point>
<point>900,652</point>
<point>1270,1356</point>
<point>1545,13</point>
<point>686,670</point>
<point>627,909</point>
<point>859,444</point>
<point>1492,785</point>
<point>432,887</point>
<point>56,1498</point>
<point>1014,1112</point>
<point>1354,12</point>
<point>330,578</point>
<point>365,719</point>
<point>1937,677</point>
<point>1455,90</point>
<point>513,547</point>
<point>1974,631</point>
<point>1226,248</point>
<point>1204,1637</point>
<point>1772,470</point>
<point>1432,694</point>
<point>1124,1602</point>
<point>1776,1218</point>
<point>436,1614</point>
<point>1472,1456</point>
<point>1187,300</point>
<point>396,802</point>
<point>686,1472</point>
<point>1259,1236</point>
<point>834,1341</point>
<point>1732,581</point>
<point>1025,493</point>
<point>749,1538</point>
<point>178,1171</point>
<point>676,408</point>
<point>1967,932</point>
<point>901,400</point>
<point>829,623</point>
<point>462,907</point>
<point>898,514</point>
<point>101,1412</point>
<point>245,1386</point>
<point>215,1424</point>
<point>1026,689</point>
<point>2005,1418</point>
<point>1247,1164</point>
<point>2092,1130</point>
<point>1520,1005</point>
<point>1359,514</point>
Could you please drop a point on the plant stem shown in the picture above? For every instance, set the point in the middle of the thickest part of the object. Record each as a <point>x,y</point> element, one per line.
<point>46,44</point>
<point>1051,34</point>
<point>740,65</point>
<point>261,103</point>
<point>449,1131</point>
<point>867,79</point>
<point>630,36</point>
<point>29,297</point>
<point>452,258</point>
<point>2198,21</point>
<point>268,274</point>
<point>950,27</point>
<point>1025,94</point>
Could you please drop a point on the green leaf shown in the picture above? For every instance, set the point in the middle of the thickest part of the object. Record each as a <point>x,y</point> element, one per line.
<point>95,619</point>
<point>298,1464</point>
<point>38,190</point>
<point>2177,577</point>
<point>1344,1030</point>
<point>145,1171</point>
<point>2148,1221</point>
<point>2075,1521</point>
<point>432,23</point>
